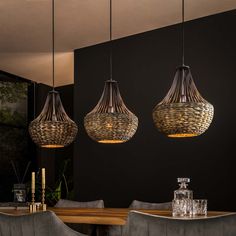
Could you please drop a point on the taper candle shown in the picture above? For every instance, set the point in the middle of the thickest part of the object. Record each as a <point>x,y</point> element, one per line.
<point>33,182</point>
<point>43,178</point>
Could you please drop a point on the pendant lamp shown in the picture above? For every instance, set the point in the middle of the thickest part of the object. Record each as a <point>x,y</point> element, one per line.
<point>183,112</point>
<point>53,128</point>
<point>111,121</point>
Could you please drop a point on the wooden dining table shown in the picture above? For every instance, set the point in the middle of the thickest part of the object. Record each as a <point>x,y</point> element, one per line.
<point>105,216</point>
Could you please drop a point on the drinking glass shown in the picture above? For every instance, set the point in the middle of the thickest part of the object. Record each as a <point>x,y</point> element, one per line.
<point>199,207</point>
<point>180,208</point>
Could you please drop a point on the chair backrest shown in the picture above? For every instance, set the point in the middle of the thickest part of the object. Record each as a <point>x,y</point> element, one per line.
<point>74,204</point>
<point>37,224</point>
<point>141,224</point>
<point>147,205</point>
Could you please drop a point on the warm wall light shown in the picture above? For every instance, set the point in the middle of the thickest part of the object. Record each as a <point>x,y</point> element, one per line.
<point>183,112</point>
<point>53,128</point>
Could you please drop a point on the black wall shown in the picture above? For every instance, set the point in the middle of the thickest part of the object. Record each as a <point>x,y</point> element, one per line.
<point>147,166</point>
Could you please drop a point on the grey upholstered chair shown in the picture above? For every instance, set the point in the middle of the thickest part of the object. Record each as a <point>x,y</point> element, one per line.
<point>74,204</point>
<point>141,224</point>
<point>37,224</point>
<point>148,205</point>
<point>118,230</point>
<point>83,228</point>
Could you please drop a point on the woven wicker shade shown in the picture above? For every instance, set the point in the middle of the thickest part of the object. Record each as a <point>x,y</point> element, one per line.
<point>183,112</point>
<point>110,121</point>
<point>53,128</point>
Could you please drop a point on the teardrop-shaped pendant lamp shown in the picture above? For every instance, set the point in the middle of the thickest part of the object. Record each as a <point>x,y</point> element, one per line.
<point>183,112</point>
<point>53,128</point>
<point>111,121</point>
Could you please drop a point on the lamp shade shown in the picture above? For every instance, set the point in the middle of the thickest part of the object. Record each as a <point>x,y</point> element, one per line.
<point>183,112</point>
<point>110,121</point>
<point>53,128</point>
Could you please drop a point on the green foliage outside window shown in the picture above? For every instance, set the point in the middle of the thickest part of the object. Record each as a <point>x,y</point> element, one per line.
<point>12,95</point>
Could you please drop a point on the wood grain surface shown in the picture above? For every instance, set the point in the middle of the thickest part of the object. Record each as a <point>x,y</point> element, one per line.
<point>106,216</point>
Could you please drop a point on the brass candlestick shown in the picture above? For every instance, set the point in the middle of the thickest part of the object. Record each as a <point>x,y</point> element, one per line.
<point>32,205</point>
<point>32,198</point>
<point>44,206</point>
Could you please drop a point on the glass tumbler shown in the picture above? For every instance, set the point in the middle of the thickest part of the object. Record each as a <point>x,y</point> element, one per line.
<point>199,207</point>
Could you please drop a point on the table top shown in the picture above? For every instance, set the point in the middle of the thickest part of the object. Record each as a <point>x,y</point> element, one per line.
<point>106,216</point>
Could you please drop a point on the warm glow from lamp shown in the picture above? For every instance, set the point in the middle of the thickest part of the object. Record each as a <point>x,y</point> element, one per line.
<point>109,126</point>
<point>181,135</point>
<point>111,141</point>
<point>52,146</point>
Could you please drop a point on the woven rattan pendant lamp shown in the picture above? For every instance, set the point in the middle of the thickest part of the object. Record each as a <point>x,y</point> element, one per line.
<point>183,112</point>
<point>53,128</point>
<point>110,121</point>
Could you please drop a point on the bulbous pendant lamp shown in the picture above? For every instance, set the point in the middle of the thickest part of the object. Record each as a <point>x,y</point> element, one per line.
<point>183,112</point>
<point>110,121</point>
<point>53,128</point>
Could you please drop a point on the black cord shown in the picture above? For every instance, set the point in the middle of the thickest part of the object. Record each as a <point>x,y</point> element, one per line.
<point>111,69</point>
<point>53,44</point>
<point>183,32</point>
<point>34,99</point>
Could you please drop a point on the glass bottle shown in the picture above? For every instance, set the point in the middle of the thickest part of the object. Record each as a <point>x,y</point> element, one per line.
<point>183,199</point>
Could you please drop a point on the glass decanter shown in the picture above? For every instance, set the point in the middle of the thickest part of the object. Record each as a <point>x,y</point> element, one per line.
<point>183,199</point>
